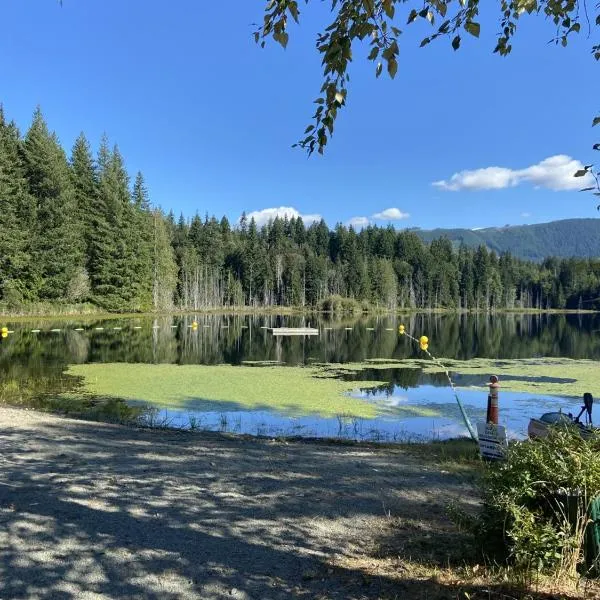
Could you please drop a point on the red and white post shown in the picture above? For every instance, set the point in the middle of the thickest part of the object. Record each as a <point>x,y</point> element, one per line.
<point>492,404</point>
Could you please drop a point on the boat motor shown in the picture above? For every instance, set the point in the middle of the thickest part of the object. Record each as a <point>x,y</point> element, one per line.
<point>588,403</point>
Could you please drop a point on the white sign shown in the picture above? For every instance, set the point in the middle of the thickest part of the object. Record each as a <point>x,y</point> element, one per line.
<point>492,440</point>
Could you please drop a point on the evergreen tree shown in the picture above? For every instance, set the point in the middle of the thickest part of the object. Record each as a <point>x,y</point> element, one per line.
<point>113,270</point>
<point>85,183</point>
<point>59,247</point>
<point>17,275</point>
<point>142,243</point>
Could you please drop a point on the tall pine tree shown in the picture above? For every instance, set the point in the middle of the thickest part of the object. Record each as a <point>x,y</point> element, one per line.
<point>112,268</point>
<point>59,248</point>
<point>17,210</point>
<point>142,240</point>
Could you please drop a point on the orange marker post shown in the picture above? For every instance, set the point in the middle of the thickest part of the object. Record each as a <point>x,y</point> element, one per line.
<point>492,404</point>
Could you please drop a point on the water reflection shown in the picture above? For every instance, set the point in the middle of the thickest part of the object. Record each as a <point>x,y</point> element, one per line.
<point>28,354</point>
<point>233,339</point>
<point>400,416</point>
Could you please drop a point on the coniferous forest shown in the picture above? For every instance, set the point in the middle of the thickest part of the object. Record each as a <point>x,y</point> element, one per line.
<point>78,229</point>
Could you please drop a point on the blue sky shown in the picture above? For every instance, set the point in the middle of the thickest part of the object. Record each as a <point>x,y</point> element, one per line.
<point>210,118</point>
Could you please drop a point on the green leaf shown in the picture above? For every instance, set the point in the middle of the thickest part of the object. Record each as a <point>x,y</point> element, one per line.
<point>596,121</point>
<point>378,69</point>
<point>412,16</point>
<point>374,53</point>
<point>368,5</point>
<point>472,28</point>
<point>587,189</point>
<point>392,67</point>
<point>389,8</point>
<point>596,146</point>
<point>425,42</point>
<point>282,38</point>
<point>580,173</point>
<point>293,8</point>
<point>456,42</point>
<point>309,129</point>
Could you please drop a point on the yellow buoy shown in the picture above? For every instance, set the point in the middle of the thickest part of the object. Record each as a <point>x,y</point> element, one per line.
<point>401,329</point>
<point>4,330</point>
<point>5,334</point>
<point>424,339</point>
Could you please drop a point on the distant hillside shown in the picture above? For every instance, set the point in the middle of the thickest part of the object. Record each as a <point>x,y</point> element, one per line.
<point>571,237</point>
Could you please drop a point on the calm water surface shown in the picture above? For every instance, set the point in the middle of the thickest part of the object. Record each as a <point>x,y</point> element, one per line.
<point>410,405</point>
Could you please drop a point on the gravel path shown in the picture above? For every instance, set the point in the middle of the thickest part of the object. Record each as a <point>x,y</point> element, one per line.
<point>97,511</point>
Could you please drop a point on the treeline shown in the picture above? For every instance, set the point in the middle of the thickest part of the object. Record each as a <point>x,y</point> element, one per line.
<point>74,229</point>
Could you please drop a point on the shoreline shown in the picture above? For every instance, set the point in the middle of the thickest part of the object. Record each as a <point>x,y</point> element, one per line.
<point>279,311</point>
<point>456,445</point>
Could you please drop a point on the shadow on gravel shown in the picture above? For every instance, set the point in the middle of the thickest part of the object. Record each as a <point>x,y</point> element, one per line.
<point>96,511</point>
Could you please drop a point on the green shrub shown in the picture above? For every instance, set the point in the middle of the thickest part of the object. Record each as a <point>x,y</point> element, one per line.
<point>536,505</point>
<point>339,305</point>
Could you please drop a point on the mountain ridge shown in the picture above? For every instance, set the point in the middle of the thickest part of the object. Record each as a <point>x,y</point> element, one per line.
<point>566,238</point>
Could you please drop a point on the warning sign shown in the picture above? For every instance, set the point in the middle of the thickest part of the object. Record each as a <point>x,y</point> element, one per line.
<point>492,440</point>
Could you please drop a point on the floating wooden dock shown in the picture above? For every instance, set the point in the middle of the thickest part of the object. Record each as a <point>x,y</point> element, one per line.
<point>294,331</point>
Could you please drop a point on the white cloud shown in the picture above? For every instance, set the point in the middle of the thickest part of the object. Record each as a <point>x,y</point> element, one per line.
<point>491,178</point>
<point>262,217</point>
<point>553,173</point>
<point>358,222</point>
<point>390,214</point>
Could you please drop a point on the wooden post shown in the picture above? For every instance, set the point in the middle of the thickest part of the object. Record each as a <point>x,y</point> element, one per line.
<point>492,404</point>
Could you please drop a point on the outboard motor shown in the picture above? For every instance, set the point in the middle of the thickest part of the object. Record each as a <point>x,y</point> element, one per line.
<point>588,403</point>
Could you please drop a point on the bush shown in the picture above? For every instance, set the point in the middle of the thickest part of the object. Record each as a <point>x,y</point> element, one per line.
<point>338,305</point>
<point>537,504</point>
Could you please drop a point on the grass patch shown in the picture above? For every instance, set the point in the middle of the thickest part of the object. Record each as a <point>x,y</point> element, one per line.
<point>460,450</point>
<point>289,390</point>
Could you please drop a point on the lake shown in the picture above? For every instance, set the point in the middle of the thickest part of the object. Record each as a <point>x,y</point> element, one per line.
<point>45,348</point>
